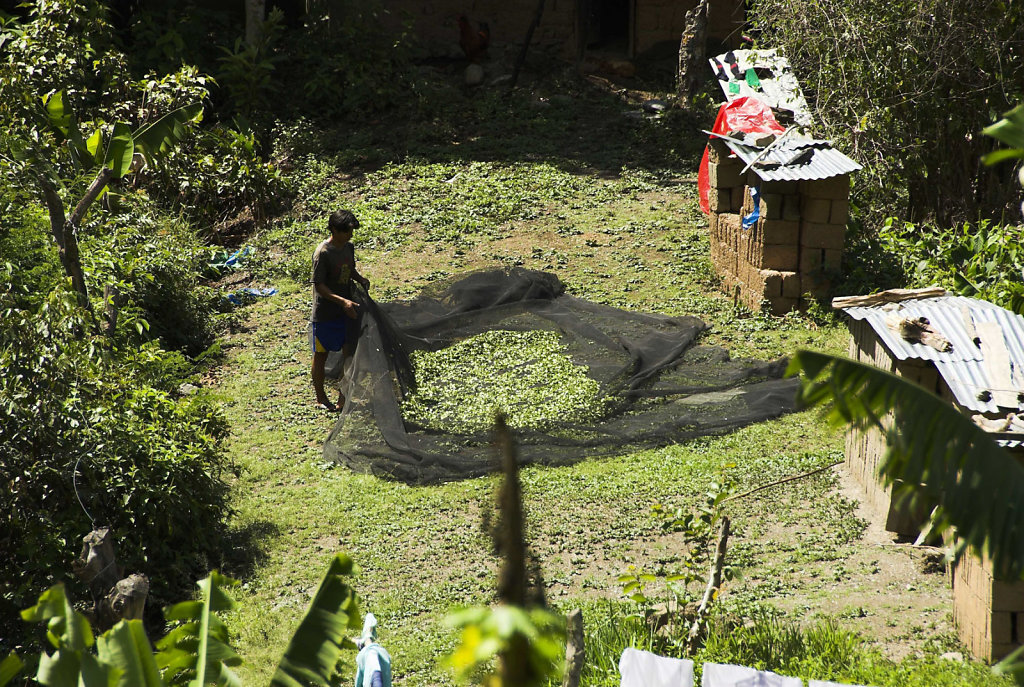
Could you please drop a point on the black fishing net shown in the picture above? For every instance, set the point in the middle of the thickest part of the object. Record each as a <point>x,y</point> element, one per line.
<point>657,385</point>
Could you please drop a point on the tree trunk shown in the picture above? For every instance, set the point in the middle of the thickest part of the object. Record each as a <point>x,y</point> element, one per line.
<point>691,52</point>
<point>255,13</point>
<point>521,60</point>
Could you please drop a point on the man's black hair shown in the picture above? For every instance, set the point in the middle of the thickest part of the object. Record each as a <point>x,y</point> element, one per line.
<point>342,220</point>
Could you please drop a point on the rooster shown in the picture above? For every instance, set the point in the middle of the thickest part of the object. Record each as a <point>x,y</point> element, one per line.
<point>473,42</point>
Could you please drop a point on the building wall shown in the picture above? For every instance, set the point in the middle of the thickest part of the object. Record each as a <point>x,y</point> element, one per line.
<point>654,22</point>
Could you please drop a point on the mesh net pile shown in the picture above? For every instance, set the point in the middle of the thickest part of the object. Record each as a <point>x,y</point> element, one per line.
<point>655,384</point>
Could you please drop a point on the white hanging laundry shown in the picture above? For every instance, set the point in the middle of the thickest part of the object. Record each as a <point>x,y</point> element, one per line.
<point>824,683</point>
<point>644,669</point>
<point>720,675</point>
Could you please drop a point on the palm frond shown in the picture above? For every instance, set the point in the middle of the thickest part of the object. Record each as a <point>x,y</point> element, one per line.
<point>10,667</point>
<point>313,655</point>
<point>932,447</point>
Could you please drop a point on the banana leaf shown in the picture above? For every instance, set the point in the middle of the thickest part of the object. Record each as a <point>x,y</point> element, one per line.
<point>932,447</point>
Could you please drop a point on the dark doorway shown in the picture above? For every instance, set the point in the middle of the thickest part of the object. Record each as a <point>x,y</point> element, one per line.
<point>608,25</point>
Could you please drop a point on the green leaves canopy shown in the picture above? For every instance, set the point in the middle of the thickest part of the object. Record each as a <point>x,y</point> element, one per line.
<point>978,486</point>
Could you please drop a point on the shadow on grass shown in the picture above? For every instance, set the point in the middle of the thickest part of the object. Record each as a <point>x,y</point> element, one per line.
<point>583,125</point>
<point>244,548</point>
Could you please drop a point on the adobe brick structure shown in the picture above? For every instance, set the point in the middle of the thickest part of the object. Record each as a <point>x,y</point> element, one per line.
<point>988,611</point>
<point>567,26</point>
<point>796,246</point>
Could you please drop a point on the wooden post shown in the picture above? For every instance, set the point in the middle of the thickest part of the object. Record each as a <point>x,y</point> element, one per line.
<point>574,650</point>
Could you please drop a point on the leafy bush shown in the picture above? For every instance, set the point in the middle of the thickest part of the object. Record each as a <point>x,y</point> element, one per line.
<point>60,46</point>
<point>878,71</point>
<point>982,260</point>
<point>155,264</point>
<point>85,440</point>
<point>197,650</point>
<point>216,176</point>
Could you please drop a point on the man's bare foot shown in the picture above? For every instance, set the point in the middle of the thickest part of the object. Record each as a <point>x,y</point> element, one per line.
<point>328,406</point>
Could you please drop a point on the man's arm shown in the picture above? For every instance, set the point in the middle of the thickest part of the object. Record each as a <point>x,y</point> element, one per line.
<point>348,306</point>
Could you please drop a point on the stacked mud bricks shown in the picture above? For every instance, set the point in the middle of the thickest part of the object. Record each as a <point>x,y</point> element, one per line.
<point>796,246</point>
<point>988,611</point>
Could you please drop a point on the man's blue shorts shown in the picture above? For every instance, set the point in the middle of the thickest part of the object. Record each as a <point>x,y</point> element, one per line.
<point>331,335</point>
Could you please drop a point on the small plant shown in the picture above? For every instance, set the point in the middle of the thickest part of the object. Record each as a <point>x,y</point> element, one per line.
<point>683,586</point>
<point>982,260</point>
<point>197,650</point>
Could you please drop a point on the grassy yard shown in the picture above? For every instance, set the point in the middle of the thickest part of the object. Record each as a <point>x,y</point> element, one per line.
<point>572,178</point>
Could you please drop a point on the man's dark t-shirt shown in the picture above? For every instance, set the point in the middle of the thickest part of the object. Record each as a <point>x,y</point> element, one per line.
<point>333,267</point>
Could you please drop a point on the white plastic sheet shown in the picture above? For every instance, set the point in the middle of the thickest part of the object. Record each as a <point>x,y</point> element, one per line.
<point>720,675</point>
<point>644,669</point>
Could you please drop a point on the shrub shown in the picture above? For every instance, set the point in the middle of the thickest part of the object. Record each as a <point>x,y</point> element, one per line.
<point>85,441</point>
<point>155,264</point>
<point>345,64</point>
<point>981,260</point>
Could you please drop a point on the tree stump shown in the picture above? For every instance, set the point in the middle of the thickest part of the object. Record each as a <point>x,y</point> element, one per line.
<point>113,598</point>
<point>691,52</point>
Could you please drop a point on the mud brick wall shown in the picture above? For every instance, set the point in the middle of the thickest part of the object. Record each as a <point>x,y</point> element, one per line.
<point>988,612</point>
<point>865,450</point>
<point>435,24</point>
<point>796,246</point>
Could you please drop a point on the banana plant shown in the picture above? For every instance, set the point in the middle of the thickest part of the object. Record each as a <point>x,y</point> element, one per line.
<point>1009,130</point>
<point>977,485</point>
<point>196,652</point>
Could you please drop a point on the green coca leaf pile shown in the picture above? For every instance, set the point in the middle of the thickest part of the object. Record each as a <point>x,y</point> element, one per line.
<point>525,374</point>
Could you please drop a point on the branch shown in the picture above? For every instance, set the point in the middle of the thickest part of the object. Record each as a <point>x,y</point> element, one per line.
<point>714,583</point>
<point>55,206</point>
<point>526,44</point>
<point>97,186</point>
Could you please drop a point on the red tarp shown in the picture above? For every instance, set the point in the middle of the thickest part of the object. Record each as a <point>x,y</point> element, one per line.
<point>748,115</point>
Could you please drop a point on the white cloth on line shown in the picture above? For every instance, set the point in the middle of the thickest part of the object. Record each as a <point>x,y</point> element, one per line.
<point>721,675</point>
<point>644,669</point>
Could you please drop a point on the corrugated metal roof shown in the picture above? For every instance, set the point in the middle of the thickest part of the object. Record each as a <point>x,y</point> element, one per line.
<point>824,161</point>
<point>963,367</point>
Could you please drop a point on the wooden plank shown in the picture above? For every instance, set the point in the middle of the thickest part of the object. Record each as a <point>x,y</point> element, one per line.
<point>890,296</point>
